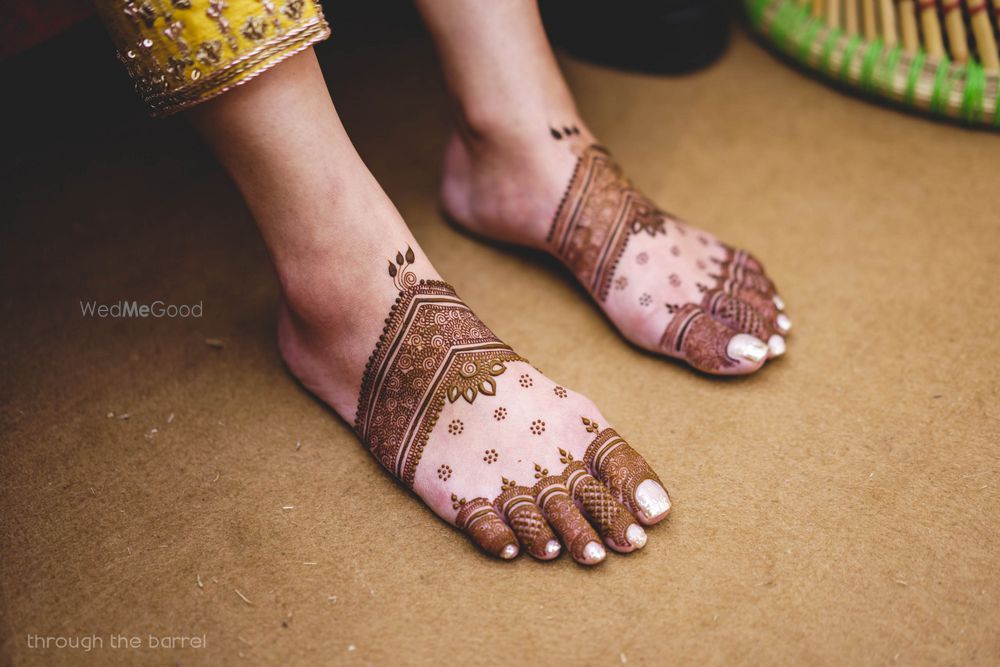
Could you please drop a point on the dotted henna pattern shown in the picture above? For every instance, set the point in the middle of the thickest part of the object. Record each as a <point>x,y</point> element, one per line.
<point>434,350</point>
<point>601,210</point>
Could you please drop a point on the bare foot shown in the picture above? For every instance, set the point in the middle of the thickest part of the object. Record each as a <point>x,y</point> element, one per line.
<point>488,442</point>
<point>668,287</point>
<point>366,324</point>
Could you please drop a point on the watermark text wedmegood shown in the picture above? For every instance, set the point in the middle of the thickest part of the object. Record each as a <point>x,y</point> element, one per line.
<point>157,309</point>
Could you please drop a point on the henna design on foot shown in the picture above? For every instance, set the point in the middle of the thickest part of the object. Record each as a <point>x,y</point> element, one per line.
<point>599,220</point>
<point>628,476</point>
<point>437,362</point>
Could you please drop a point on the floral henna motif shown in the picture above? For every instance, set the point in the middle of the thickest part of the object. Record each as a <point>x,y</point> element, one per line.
<point>433,349</point>
<point>432,352</point>
<point>476,377</point>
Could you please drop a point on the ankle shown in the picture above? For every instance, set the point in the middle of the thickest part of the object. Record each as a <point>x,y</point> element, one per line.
<point>506,184</point>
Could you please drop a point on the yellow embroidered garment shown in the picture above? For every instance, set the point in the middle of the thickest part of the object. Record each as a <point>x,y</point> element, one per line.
<point>182,52</point>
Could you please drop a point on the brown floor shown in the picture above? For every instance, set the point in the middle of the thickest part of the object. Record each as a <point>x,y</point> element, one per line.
<point>840,507</point>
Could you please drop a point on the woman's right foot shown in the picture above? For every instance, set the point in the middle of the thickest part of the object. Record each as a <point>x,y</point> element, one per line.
<point>490,444</point>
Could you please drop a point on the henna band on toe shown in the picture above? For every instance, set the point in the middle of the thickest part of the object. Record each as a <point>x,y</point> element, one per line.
<point>611,517</point>
<point>518,504</point>
<point>554,498</point>
<point>621,469</point>
<point>484,526</point>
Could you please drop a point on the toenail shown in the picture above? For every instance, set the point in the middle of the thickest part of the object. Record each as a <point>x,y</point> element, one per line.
<point>778,301</point>
<point>552,548</point>
<point>783,322</point>
<point>777,345</point>
<point>594,553</point>
<point>652,499</point>
<point>508,551</point>
<point>745,346</point>
<point>636,536</point>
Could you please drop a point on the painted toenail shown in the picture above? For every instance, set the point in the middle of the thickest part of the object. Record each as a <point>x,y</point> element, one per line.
<point>636,536</point>
<point>552,548</point>
<point>652,499</point>
<point>594,553</point>
<point>783,322</point>
<point>778,301</point>
<point>777,345</point>
<point>508,551</point>
<point>745,346</point>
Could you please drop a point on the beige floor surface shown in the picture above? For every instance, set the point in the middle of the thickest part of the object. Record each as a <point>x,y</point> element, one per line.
<point>840,507</point>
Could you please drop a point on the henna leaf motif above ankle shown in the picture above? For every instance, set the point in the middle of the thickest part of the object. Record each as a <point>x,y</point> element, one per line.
<point>403,278</point>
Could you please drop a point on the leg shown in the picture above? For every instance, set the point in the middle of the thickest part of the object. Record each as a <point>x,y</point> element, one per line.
<point>524,168</point>
<point>441,402</point>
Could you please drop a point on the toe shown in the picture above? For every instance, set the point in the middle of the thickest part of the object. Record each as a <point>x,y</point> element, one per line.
<point>485,527</point>
<point>767,306</point>
<point>627,475</point>
<point>745,260</point>
<point>526,519</point>
<point>742,270</point>
<point>711,346</point>
<point>576,532</point>
<point>614,522</point>
<point>736,314</point>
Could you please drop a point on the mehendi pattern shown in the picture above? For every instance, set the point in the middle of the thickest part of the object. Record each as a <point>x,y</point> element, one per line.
<point>435,354</point>
<point>601,213</point>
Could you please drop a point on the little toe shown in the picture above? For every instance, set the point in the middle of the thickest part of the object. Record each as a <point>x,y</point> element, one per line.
<point>614,522</point>
<point>576,532</point>
<point>526,519</point>
<point>711,346</point>
<point>485,527</point>
<point>629,478</point>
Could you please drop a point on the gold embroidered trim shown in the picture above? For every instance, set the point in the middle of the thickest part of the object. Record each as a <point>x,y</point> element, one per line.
<point>242,69</point>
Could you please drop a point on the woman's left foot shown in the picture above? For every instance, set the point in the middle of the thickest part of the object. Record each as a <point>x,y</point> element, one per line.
<point>668,287</point>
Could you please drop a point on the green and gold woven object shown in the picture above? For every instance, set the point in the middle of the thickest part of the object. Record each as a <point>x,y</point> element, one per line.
<point>939,57</point>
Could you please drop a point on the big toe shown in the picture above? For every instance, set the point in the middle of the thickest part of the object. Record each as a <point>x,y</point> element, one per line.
<point>711,346</point>
<point>628,476</point>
